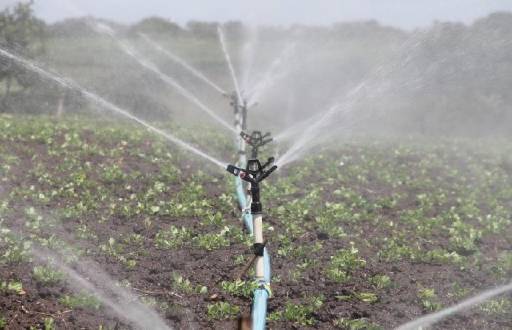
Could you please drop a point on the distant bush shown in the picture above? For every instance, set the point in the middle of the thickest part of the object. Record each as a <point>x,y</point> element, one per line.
<point>23,34</point>
<point>156,25</point>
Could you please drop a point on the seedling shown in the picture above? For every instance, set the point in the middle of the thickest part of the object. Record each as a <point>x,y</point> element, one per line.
<point>222,311</point>
<point>356,324</point>
<point>12,286</point>
<point>429,299</point>
<point>47,275</point>
<point>81,300</point>
<point>302,314</point>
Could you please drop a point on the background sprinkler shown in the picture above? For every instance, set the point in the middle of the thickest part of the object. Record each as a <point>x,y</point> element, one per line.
<point>240,110</point>
<point>256,140</point>
<point>240,107</point>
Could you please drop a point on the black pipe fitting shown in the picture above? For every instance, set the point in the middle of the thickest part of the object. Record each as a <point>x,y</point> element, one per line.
<point>258,249</point>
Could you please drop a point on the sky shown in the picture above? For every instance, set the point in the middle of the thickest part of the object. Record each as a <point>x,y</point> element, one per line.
<point>406,14</point>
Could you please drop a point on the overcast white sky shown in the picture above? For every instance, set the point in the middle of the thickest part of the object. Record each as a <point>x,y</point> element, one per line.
<point>402,13</point>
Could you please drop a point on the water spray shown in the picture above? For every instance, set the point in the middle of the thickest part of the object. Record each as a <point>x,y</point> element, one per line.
<point>223,44</point>
<point>130,51</point>
<point>121,301</point>
<point>272,75</point>
<point>430,319</point>
<point>254,174</point>
<point>95,99</point>
<point>182,62</point>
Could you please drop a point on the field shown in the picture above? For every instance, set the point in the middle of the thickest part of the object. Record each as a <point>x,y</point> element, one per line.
<point>367,235</point>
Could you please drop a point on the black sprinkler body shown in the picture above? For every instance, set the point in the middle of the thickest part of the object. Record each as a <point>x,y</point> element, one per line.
<point>254,173</point>
<point>256,140</point>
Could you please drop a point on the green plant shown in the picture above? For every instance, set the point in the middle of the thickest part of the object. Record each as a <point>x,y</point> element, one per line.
<point>381,281</point>
<point>49,323</point>
<point>84,232</point>
<point>16,251</point>
<point>14,286</point>
<point>46,275</point>
<point>113,174</point>
<point>184,285</point>
<point>239,288</point>
<point>464,237</point>
<point>212,241</point>
<point>429,299</point>
<point>343,264</point>
<point>173,237</point>
<point>222,310</point>
<point>356,324</point>
<point>503,266</point>
<point>300,314</point>
<point>367,297</point>
<point>81,300</point>
<point>500,306</point>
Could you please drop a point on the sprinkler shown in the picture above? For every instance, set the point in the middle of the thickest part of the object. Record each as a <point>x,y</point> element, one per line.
<point>240,107</point>
<point>256,140</point>
<point>255,173</point>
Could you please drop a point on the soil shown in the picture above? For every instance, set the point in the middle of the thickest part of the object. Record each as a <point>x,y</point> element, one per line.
<point>152,275</point>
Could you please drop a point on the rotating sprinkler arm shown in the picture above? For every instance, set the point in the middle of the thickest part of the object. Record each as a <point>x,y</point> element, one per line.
<point>255,172</point>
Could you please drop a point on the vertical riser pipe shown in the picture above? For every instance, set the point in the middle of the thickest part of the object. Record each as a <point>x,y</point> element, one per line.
<point>254,224</point>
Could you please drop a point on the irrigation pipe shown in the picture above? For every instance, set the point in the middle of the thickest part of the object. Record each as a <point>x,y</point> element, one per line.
<point>253,223</point>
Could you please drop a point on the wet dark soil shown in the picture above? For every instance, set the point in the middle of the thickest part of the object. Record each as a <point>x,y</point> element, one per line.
<point>152,276</point>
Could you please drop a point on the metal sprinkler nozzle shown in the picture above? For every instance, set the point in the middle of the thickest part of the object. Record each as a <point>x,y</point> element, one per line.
<point>233,170</point>
<point>256,140</point>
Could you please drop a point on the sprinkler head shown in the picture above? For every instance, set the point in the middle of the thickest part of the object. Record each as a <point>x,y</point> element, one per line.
<point>255,172</point>
<point>256,140</point>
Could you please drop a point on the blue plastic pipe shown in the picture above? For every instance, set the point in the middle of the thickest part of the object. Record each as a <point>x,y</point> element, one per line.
<point>242,201</point>
<point>259,309</point>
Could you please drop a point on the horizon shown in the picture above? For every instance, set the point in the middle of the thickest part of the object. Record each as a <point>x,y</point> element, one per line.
<point>412,15</point>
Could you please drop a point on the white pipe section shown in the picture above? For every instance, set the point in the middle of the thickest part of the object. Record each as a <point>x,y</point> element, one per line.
<point>258,238</point>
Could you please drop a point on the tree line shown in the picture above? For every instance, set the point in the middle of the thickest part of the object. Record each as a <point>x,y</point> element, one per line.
<point>462,72</point>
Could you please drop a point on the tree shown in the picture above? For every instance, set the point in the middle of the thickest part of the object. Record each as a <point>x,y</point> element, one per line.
<point>22,33</point>
<point>153,25</point>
